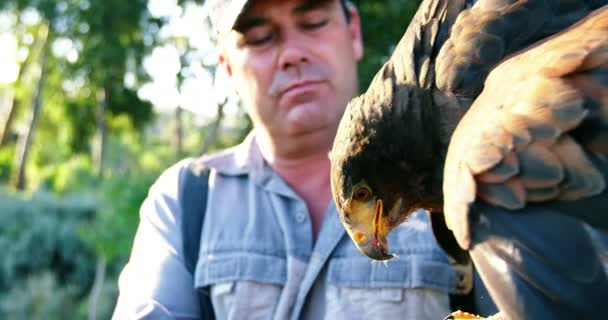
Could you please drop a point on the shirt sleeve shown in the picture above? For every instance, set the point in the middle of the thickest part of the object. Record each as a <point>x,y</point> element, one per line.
<point>155,283</point>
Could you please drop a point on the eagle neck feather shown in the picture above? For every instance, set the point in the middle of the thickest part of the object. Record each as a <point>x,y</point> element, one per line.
<point>404,88</point>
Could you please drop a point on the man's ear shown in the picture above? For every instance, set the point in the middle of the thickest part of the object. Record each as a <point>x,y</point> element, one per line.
<point>355,30</point>
<point>225,63</point>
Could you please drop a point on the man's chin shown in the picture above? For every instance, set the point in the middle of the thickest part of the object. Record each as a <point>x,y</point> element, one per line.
<point>305,112</point>
<point>308,118</point>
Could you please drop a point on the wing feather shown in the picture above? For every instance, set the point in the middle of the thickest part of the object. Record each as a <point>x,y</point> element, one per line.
<point>493,29</point>
<point>527,136</point>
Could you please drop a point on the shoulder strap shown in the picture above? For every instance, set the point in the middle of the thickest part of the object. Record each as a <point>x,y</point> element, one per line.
<point>193,201</point>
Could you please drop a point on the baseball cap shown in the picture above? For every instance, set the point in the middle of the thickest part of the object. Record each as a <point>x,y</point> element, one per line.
<point>224,13</point>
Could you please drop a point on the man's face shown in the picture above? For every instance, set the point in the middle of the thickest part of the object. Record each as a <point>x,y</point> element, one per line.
<point>293,64</point>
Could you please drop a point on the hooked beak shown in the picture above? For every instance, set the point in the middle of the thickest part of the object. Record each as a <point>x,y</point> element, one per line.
<point>374,245</point>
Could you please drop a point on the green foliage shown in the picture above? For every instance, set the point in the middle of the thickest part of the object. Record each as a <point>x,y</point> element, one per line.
<point>51,243</point>
<point>107,38</point>
<point>383,24</point>
<point>125,101</point>
<point>45,265</point>
<point>40,297</point>
<point>80,115</point>
<point>119,200</point>
<point>132,167</point>
<point>7,157</point>
<point>74,175</point>
<point>108,294</point>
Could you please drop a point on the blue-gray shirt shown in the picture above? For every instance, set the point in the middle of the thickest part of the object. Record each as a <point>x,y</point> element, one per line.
<point>260,258</point>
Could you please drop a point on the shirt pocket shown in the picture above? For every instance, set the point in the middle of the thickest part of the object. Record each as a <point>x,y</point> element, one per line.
<point>410,287</point>
<point>242,286</point>
<point>244,299</point>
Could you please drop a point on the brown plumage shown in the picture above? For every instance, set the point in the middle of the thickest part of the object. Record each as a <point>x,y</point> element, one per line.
<point>528,141</point>
<point>536,132</point>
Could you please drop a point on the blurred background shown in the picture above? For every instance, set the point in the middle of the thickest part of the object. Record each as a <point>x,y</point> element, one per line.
<point>97,97</point>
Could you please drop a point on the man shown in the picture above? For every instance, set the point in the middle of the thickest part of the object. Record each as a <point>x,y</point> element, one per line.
<point>272,245</point>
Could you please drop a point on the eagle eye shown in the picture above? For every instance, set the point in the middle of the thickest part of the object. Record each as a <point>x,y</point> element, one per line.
<point>362,194</point>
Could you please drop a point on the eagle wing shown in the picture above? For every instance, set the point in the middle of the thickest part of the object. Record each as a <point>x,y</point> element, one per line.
<point>532,132</point>
<point>492,29</point>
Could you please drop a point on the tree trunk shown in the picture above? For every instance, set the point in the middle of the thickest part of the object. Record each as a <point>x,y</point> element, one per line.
<point>8,116</point>
<point>100,275</point>
<point>247,128</point>
<point>25,141</point>
<point>99,141</point>
<point>12,103</point>
<point>179,132</point>
<point>215,128</point>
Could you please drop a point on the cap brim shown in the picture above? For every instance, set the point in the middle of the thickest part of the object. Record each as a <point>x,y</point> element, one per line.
<point>230,15</point>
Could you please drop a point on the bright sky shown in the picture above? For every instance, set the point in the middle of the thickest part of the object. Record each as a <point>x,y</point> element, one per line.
<point>8,59</point>
<point>197,93</point>
<point>10,54</point>
<point>163,64</point>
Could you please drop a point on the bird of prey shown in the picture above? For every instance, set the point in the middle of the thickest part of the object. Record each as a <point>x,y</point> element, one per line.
<point>496,118</point>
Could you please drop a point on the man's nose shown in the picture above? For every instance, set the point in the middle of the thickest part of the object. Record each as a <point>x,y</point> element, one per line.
<point>294,53</point>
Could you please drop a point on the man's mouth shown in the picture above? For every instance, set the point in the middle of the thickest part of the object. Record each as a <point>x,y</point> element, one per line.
<point>300,87</point>
<point>298,78</point>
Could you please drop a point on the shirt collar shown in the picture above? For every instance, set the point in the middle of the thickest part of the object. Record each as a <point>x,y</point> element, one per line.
<point>246,159</point>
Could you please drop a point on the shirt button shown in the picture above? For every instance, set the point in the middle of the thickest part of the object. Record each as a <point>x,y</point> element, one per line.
<point>300,216</point>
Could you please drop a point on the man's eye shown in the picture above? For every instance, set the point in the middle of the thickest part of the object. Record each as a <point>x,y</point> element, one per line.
<point>314,25</point>
<point>259,36</point>
<point>258,41</point>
